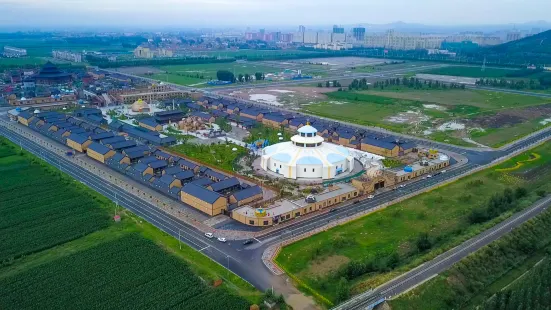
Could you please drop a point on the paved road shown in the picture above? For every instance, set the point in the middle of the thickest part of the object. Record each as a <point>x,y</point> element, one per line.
<point>226,254</point>
<point>245,261</point>
<point>445,260</point>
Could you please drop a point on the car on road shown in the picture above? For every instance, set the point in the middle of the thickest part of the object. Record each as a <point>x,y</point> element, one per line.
<point>443,171</point>
<point>221,239</point>
<point>333,210</point>
<point>402,185</point>
<point>209,235</point>
<point>429,176</point>
<point>248,241</point>
<point>370,197</point>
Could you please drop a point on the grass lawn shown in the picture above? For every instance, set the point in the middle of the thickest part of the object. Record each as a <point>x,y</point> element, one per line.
<point>501,136</point>
<point>265,132</point>
<point>375,107</point>
<point>388,239</point>
<point>75,256</point>
<point>217,155</point>
<point>481,99</point>
<point>474,72</point>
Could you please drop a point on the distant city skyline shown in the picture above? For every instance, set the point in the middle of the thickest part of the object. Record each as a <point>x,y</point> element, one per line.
<point>240,13</point>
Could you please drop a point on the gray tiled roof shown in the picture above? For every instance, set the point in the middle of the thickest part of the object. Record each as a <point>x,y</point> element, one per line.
<point>99,148</point>
<point>225,184</point>
<point>247,193</point>
<point>201,193</point>
<point>80,139</point>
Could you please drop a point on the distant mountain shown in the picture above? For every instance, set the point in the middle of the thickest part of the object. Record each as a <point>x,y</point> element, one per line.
<point>536,44</point>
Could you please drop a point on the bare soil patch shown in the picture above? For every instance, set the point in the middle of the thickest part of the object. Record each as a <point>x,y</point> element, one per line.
<point>323,267</point>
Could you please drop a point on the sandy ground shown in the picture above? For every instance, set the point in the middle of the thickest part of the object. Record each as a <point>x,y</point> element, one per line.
<point>288,96</point>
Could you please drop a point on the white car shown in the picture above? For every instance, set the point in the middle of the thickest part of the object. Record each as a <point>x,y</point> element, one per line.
<point>209,235</point>
<point>402,185</point>
<point>221,239</point>
<point>429,176</point>
<point>443,171</point>
<point>370,197</point>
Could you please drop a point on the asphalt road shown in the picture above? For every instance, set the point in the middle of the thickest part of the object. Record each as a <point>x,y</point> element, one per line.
<point>445,260</point>
<point>245,261</point>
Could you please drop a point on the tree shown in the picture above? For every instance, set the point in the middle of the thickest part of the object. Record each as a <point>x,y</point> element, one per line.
<point>321,85</point>
<point>342,290</point>
<point>225,75</point>
<point>240,77</point>
<point>258,76</point>
<point>247,77</point>
<point>327,84</point>
<point>423,242</point>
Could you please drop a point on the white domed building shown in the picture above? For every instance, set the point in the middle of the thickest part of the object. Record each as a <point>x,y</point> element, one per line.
<point>307,156</point>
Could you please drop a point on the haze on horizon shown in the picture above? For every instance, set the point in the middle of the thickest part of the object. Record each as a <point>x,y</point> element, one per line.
<point>212,13</point>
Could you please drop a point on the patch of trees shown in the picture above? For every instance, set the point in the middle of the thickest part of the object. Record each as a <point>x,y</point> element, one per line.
<point>476,272</point>
<point>358,85</point>
<point>498,204</point>
<point>223,124</point>
<point>543,82</point>
<point>532,291</point>
<point>225,75</point>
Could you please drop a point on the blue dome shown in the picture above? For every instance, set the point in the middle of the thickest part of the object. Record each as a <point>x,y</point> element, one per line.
<point>342,150</point>
<point>282,157</point>
<point>335,158</point>
<point>307,129</point>
<point>309,160</point>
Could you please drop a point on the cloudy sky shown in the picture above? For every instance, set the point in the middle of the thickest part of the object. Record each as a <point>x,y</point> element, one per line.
<point>268,12</point>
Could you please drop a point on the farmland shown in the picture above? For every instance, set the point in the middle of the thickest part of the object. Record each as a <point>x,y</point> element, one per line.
<point>150,280</point>
<point>44,210</point>
<point>61,250</point>
<point>489,118</point>
<point>364,253</point>
<point>475,72</point>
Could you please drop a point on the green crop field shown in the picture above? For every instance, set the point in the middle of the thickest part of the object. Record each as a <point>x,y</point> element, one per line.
<point>476,109</point>
<point>364,253</point>
<point>59,249</point>
<point>42,47</point>
<point>217,155</point>
<point>474,72</point>
<point>41,209</point>
<point>127,273</point>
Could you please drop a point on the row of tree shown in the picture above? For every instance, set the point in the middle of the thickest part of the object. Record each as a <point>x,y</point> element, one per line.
<point>411,83</point>
<point>335,83</point>
<point>531,292</point>
<point>498,204</point>
<point>543,82</point>
<point>228,76</point>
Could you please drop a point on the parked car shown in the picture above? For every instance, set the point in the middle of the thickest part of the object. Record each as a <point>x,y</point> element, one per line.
<point>221,239</point>
<point>333,210</point>
<point>429,176</point>
<point>402,185</point>
<point>209,235</point>
<point>370,197</point>
<point>249,241</point>
<point>443,171</point>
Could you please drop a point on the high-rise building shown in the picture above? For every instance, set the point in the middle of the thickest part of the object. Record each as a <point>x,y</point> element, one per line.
<point>358,33</point>
<point>512,36</point>
<point>338,29</point>
<point>301,28</point>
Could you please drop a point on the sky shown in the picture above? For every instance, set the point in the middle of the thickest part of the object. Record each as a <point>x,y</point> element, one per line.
<point>213,13</point>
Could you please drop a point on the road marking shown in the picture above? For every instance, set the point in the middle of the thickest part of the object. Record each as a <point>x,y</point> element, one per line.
<point>257,240</point>
<point>208,246</point>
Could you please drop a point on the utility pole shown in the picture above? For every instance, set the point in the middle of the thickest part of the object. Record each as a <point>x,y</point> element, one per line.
<point>179,241</point>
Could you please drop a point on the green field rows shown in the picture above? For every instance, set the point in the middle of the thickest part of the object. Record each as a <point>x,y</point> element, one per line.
<point>40,209</point>
<point>127,273</point>
<point>60,250</point>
